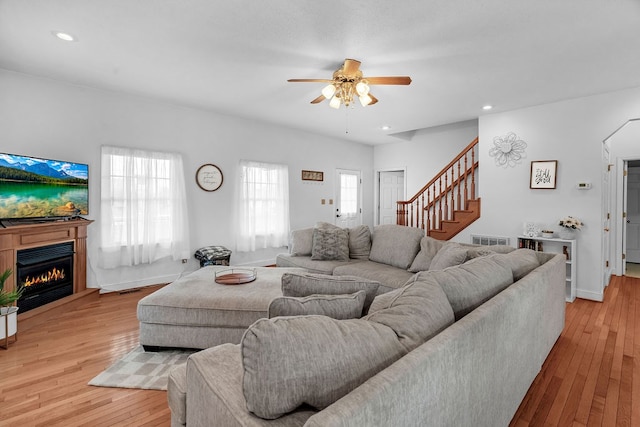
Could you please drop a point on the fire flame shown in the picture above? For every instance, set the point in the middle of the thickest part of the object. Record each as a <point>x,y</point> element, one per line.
<point>50,276</point>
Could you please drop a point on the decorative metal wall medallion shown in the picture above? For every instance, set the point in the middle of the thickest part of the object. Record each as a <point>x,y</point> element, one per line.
<point>508,150</point>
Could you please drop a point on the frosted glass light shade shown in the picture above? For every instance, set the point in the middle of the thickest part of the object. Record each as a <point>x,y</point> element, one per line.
<point>365,100</point>
<point>328,91</point>
<point>362,88</point>
<point>335,102</point>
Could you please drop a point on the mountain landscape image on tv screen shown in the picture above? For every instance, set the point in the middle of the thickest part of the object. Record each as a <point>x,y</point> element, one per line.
<point>39,188</point>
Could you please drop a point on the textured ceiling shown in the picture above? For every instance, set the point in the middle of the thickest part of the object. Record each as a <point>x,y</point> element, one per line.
<point>235,57</point>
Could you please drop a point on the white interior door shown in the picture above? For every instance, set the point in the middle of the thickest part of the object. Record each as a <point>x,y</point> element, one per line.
<point>390,190</point>
<point>633,215</point>
<point>348,198</point>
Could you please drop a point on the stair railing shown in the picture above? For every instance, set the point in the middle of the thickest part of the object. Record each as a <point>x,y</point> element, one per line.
<point>447,192</point>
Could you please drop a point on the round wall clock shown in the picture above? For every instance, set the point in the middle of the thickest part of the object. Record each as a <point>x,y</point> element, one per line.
<point>209,177</point>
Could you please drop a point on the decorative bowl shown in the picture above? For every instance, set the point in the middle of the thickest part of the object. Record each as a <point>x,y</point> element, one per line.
<point>547,234</point>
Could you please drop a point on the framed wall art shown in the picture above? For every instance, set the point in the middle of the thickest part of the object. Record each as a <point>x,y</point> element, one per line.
<point>209,177</point>
<point>312,176</point>
<point>543,174</point>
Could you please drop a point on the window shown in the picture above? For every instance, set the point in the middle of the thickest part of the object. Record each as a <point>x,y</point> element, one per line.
<point>143,207</point>
<point>263,206</point>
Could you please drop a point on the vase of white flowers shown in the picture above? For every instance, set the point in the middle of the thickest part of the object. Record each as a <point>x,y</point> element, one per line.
<point>568,227</point>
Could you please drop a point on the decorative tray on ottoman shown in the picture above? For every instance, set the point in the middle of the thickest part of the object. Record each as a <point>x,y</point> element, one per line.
<point>236,276</point>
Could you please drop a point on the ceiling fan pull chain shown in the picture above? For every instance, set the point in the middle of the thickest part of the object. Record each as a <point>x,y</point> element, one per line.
<point>346,120</point>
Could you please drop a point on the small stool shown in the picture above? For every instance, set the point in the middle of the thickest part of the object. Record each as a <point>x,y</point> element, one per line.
<point>213,255</point>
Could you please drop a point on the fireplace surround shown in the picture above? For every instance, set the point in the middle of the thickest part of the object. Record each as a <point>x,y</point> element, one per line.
<point>20,239</point>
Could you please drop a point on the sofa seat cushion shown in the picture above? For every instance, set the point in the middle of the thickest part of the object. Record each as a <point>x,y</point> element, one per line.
<point>390,278</point>
<point>470,284</point>
<point>347,306</point>
<point>177,394</point>
<point>319,267</point>
<point>305,284</point>
<point>215,394</point>
<point>395,245</point>
<point>316,360</point>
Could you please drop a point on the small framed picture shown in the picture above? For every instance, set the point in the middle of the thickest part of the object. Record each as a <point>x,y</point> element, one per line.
<point>543,174</point>
<point>312,176</point>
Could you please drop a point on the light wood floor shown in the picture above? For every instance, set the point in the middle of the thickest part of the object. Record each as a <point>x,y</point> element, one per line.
<point>591,377</point>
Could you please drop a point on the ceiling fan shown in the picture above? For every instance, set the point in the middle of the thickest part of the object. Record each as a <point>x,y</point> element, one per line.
<point>348,82</point>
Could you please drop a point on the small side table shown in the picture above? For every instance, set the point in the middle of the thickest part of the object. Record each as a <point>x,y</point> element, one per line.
<point>8,326</point>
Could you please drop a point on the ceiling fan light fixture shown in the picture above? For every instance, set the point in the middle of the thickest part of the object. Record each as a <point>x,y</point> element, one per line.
<point>365,100</point>
<point>335,102</point>
<point>362,88</point>
<point>328,91</point>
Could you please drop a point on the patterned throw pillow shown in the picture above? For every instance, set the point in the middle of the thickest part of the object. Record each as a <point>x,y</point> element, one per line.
<point>330,244</point>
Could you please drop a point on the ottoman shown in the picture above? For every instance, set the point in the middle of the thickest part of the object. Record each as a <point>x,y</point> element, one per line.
<point>196,312</point>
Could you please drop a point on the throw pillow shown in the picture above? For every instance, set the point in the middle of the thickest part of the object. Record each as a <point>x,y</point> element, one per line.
<point>317,360</point>
<point>330,244</point>
<point>301,242</point>
<point>451,254</point>
<point>429,247</point>
<point>305,284</point>
<point>359,242</point>
<point>348,306</point>
<point>478,252</point>
<point>395,245</point>
<point>290,361</point>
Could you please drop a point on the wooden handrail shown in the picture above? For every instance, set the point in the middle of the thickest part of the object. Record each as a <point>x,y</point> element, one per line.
<point>443,171</point>
<point>443,199</point>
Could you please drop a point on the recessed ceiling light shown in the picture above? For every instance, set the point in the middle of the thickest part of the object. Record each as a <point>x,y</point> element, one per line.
<point>64,36</point>
<point>487,107</point>
<point>385,127</point>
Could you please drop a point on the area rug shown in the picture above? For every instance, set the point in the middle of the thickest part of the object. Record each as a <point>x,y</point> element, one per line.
<point>140,369</point>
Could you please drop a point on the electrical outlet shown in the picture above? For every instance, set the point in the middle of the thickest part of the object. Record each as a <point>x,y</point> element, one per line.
<point>184,261</point>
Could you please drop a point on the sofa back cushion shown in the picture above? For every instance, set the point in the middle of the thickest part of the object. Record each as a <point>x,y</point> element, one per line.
<point>305,284</point>
<point>301,242</point>
<point>469,285</point>
<point>521,262</point>
<point>359,242</point>
<point>290,361</point>
<point>341,307</point>
<point>429,247</point>
<point>395,245</point>
<point>449,255</point>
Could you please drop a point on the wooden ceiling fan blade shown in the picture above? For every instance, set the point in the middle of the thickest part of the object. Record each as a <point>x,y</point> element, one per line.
<point>318,99</point>
<point>310,81</point>
<point>351,66</point>
<point>373,99</point>
<point>390,80</point>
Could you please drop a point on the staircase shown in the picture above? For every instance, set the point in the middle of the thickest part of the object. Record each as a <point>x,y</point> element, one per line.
<point>448,203</point>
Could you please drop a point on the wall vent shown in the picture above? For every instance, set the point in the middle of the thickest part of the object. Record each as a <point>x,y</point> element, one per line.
<point>490,240</point>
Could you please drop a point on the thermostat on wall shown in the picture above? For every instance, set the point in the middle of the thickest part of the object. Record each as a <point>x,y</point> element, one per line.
<point>583,186</point>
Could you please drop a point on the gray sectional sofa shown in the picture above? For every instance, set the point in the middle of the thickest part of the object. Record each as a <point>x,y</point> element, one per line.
<point>458,346</point>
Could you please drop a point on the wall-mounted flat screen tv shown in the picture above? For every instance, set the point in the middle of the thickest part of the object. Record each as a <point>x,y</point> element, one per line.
<point>42,188</point>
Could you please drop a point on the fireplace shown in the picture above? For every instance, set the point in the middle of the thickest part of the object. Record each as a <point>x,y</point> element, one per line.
<point>46,272</point>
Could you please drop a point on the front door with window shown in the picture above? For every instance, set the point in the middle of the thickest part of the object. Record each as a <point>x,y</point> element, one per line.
<point>348,198</point>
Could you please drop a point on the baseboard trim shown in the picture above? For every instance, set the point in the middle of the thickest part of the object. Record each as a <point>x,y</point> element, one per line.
<point>593,296</point>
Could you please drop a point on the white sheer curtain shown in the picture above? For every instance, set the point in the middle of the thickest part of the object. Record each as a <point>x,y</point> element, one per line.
<point>143,208</point>
<point>263,206</point>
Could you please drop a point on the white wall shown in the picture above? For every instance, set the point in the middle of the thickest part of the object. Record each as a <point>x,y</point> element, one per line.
<point>44,118</point>
<point>426,153</point>
<point>571,132</point>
